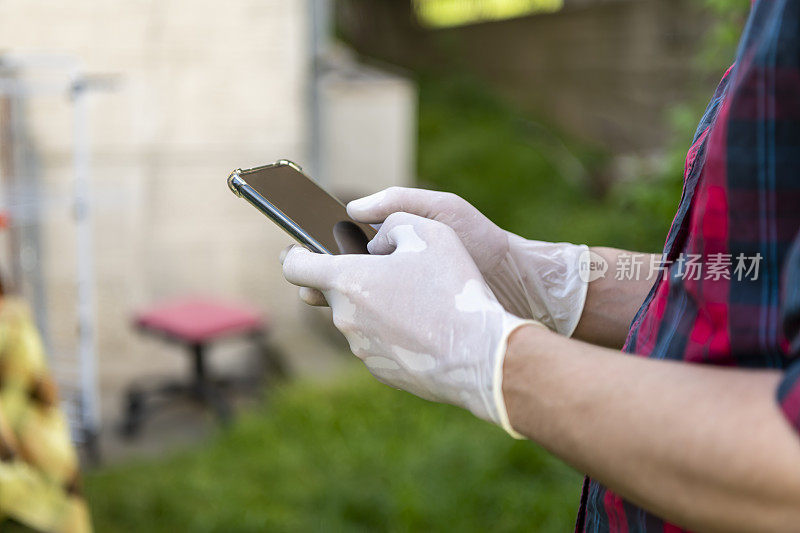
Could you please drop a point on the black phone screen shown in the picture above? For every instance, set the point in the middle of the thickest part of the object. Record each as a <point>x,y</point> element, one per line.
<point>310,206</point>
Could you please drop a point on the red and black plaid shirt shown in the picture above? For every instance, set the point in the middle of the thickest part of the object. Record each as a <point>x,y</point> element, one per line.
<point>740,206</point>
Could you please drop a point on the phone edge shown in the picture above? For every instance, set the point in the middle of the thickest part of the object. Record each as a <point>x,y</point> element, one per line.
<point>298,168</point>
<point>240,188</point>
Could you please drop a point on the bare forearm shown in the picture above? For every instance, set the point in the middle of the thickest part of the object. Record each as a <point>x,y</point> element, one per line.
<point>611,303</point>
<point>706,448</point>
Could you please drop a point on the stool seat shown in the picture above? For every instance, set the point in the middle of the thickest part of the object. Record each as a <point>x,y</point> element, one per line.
<point>198,321</point>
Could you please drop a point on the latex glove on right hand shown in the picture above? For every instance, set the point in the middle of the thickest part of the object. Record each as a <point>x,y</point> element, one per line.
<point>531,279</point>
<point>418,313</point>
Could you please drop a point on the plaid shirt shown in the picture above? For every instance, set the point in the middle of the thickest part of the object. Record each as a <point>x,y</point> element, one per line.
<point>740,206</point>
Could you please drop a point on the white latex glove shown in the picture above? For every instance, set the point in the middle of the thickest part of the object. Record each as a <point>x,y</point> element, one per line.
<point>531,279</point>
<point>418,313</point>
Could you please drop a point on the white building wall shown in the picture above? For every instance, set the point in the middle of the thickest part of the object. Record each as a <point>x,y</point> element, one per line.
<point>369,124</point>
<point>204,87</point>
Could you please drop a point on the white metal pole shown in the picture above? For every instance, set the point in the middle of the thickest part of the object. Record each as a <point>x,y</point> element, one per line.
<point>85,260</point>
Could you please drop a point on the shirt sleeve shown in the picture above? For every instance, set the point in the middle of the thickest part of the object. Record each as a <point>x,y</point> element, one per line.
<point>789,389</point>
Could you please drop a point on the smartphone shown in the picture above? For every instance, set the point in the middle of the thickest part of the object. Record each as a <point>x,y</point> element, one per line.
<point>303,209</point>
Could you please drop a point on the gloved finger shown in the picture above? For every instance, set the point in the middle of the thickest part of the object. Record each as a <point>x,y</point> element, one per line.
<point>376,207</point>
<point>282,255</point>
<point>402,232</point>
<point>308,269</point>
<point>313,297</point>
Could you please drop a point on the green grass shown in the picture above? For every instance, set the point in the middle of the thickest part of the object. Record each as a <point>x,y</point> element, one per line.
<point>354,456</point>
<point>358,456</point>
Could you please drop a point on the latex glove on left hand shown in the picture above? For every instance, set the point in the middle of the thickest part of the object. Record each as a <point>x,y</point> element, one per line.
<point>418,313</point>
<point>531,279</point>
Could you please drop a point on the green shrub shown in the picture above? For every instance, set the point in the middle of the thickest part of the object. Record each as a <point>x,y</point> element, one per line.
<point>522,174</point>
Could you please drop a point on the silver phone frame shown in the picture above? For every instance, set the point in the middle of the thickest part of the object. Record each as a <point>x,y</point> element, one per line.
<point>240,188</point>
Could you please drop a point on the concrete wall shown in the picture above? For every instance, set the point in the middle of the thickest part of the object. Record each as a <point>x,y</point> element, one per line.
<point>205,87</point>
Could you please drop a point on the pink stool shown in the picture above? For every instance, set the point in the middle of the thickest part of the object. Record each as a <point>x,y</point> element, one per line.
<point>195,324</point>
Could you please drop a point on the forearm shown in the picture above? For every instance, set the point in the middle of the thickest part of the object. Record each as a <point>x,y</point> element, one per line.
<point>706,448</point>
<point>612,303</point>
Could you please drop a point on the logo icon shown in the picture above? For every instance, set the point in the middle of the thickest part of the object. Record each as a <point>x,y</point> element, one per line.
<point>591,266</point>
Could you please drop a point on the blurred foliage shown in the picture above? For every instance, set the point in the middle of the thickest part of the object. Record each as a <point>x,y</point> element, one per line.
<point>520,173</point>
<point>536,182</point>
<point>354,456</point>
<point>656,190</point>
<point>720,47</point>
<point>447,13</point>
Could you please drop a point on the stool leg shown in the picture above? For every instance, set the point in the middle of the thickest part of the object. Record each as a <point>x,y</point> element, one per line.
<point>205,389</point>
<point>199,363</point>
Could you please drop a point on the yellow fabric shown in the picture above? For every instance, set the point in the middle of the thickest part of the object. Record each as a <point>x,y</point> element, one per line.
<point>38,464</point>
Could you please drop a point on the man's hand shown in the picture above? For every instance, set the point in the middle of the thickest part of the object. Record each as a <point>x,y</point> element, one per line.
<point>531,279</point>
<point>417,312</point>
